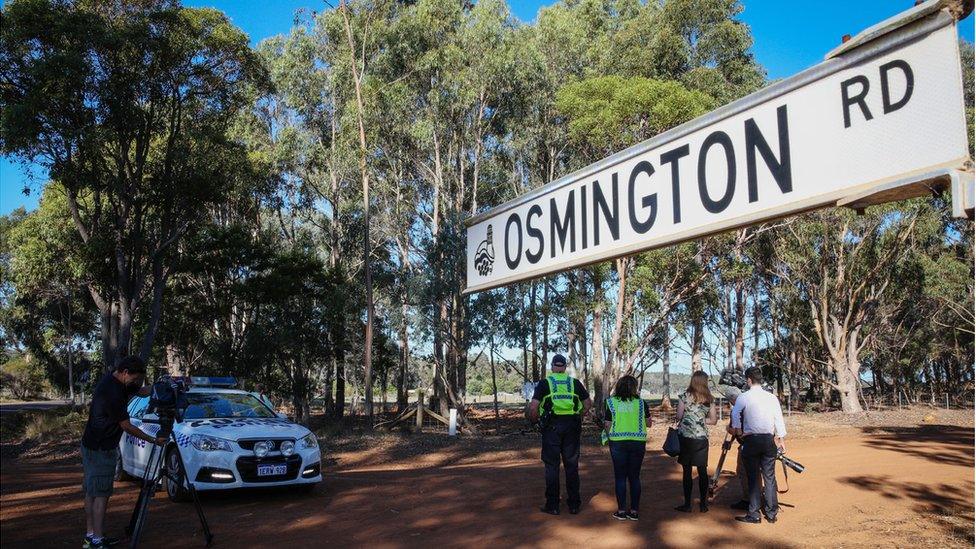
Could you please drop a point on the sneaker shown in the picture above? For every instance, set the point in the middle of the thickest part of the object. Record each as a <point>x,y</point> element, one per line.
<point>90,543</point>
<point>632,515</point>
<point>574,509</point>
<point>620,515</point>
<point>741,505</point>
<point>550,510</point>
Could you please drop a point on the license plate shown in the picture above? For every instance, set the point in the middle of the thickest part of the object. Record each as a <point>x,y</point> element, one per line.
<point>272,470</point>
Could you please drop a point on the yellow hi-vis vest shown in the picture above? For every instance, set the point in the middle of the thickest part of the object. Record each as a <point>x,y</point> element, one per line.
<point>562,395</point>
<point>628,419</point>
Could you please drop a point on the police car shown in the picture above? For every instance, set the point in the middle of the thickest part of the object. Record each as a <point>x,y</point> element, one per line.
<point>228,439</point>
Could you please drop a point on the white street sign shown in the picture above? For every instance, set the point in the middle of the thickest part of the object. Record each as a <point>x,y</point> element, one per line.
<point>885,110</point>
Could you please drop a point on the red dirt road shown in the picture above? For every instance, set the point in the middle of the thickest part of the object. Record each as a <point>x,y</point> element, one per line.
<point>863,487</point>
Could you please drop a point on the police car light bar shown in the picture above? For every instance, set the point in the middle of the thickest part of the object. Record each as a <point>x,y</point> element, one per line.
<point>208,381</point>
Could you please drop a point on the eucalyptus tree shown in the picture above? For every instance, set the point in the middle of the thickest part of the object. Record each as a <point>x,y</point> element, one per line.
<point>127,105</point>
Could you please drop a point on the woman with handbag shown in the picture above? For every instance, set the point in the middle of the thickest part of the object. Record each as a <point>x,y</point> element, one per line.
<point>626,420</point>
<point>695,412</point>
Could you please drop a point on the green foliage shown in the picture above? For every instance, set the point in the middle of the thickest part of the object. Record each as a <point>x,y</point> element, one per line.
<point>22,376</point>
<point>610,112</point>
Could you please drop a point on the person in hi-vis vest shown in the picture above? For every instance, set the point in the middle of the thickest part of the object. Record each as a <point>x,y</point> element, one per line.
<point>627,418</point>
<point>564,401</point>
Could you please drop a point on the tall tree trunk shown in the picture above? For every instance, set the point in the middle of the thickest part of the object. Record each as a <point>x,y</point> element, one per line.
<point>494,383</point>
<point>666,367</point>
<point>535,335</point>
<point>697,336</point>
<point>404,358</point>
<point>740,325</point>
<point>600,372</point>
<point>340,384</point>
<point>368,343</point>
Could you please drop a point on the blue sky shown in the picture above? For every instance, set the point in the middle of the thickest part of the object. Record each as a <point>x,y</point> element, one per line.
<point>786,41</point>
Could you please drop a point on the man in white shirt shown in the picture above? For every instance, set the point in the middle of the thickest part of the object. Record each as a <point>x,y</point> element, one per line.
<point>758,419</point>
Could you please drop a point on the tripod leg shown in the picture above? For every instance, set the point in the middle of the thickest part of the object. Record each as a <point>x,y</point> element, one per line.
<point>142,492</point>
<point>150,480</point>
<point>207,536</point>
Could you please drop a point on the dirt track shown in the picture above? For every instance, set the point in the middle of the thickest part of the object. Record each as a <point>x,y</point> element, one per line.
<point>864,486</point>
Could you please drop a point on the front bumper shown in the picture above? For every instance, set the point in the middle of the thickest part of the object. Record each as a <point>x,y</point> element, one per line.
<point>229,470</point>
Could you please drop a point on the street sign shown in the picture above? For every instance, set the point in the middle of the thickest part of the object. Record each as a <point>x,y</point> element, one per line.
<point>884,109</point>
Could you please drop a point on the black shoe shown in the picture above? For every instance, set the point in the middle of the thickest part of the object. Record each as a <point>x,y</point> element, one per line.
<point>550,510</point>
<point>620,515</point>
<point>769,519</point>
<point>703,507</point>
<point>632,515</point>
<point>574,509</point>
<point>748,520</point>
<point>686,508</point>
<point>741,505</point>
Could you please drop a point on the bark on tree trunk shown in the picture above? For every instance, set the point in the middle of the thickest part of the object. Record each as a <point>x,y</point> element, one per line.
<point>404,359</point>
<point>696,345</point>
<point>666,368</point>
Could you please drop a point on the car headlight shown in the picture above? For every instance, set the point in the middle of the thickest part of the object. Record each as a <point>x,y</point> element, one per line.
<point>261,449</point>
<point>206,443</point>
<point>309,441</point>
<point>287,448</point>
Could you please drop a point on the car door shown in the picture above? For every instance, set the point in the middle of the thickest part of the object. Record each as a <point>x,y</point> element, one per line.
<point>126,446</point>
<point>138,448</point>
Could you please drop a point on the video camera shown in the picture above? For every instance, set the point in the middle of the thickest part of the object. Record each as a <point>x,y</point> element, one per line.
<point>167,399</point>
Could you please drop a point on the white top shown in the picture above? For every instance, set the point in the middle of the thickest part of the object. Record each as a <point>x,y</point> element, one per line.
<point>760,411</point>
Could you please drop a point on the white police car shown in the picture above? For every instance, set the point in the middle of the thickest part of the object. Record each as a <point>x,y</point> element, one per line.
<point>228,439</point>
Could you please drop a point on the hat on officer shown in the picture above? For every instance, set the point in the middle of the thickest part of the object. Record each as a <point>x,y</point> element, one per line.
<point>559,360</point>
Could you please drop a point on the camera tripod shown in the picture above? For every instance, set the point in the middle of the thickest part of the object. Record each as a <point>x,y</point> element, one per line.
<point>151,482</point>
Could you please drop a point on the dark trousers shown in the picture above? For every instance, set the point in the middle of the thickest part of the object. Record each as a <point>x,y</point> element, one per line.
<point>759,455</point>
<point>562,440</point>
<point>627,456</point>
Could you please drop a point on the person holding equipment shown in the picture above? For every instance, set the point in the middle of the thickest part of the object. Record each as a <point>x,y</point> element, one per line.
<point>695,412</point>
<point>758,419</point>
<point>626,420</point>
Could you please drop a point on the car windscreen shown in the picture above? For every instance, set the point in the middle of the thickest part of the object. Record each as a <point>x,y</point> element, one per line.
<point>217,405</point>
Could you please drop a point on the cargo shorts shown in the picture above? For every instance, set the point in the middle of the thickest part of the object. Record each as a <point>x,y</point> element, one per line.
<point>99,468</point>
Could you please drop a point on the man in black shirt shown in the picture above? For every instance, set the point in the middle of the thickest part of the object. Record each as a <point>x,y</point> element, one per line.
<point>107,419</point>
<point>565,401</point>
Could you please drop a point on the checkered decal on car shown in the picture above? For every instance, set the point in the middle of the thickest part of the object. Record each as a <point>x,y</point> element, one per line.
<point>182,440</point>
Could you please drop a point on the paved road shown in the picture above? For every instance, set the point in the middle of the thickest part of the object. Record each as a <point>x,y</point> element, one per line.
<point>11,407</point>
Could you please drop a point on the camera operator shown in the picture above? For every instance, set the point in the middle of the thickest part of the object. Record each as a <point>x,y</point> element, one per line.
<point>732,383</point>
<point>758,419</point>
<point>107,419</point>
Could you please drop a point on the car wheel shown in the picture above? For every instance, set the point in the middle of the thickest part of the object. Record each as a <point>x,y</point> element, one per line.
<point>176,491</point>
<point>120,473</point>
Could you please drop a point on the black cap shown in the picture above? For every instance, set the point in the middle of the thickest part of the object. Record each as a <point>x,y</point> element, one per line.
<point>559,360</point>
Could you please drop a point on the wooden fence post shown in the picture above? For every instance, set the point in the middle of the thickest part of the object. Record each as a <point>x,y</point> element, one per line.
<point>420,410</point>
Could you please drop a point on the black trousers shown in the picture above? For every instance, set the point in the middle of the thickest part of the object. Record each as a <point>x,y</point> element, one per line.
<point>759,457</point>
<point>561,440</point>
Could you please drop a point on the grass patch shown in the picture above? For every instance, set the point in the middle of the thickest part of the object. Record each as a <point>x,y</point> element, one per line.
<point>59,425</point>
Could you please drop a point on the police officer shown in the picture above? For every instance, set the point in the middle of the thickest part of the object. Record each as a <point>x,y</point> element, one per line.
<point>758,419</point>
<point>565,401</point>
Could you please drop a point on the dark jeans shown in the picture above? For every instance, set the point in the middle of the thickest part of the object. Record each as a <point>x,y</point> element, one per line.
<point>627,455</point>
<point>759,456</point>
<point>562,440</point>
